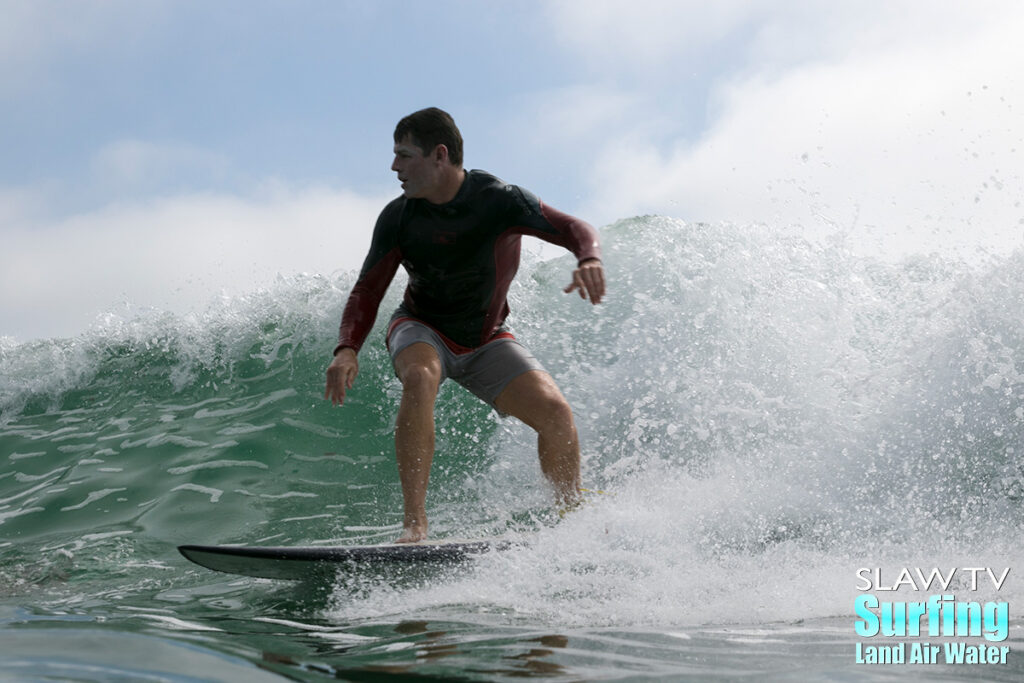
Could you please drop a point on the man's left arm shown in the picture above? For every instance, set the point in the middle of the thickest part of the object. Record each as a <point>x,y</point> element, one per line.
<point>576,235</point>
<point>589,280</point>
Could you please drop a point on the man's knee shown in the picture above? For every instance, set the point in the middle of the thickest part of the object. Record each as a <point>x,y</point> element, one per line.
<point>536,400</point>
<point>420,377</point>
<point>419,369</point>
<point>557,412</point>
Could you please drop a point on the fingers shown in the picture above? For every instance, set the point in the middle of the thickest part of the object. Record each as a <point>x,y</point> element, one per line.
<point>589,280</point>
<point>335,391</point>
<point>577,283</point>
<point>340,377</point>
<point>593,278</point>
<point>336,388</point>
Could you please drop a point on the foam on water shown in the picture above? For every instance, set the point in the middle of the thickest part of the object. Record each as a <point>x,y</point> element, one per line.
<point>768,414</point>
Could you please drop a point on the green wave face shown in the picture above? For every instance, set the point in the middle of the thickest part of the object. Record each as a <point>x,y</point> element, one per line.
<point>766,412</point>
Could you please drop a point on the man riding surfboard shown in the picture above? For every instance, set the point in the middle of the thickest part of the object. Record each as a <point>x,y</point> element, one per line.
<point>457,233</point>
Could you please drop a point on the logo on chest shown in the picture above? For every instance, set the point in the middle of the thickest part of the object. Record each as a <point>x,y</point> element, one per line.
<point>445,237</point>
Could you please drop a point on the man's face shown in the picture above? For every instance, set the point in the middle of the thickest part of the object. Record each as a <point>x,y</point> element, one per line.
<point>419,173</point>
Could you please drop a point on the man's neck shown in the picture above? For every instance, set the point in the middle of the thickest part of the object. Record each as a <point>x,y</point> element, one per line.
<point>449,187</point>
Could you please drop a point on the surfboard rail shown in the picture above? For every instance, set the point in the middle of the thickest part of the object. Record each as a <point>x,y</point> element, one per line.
<point>309,562</point>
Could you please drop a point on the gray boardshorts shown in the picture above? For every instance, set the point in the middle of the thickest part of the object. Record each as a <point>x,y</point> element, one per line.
<point>485,371</point>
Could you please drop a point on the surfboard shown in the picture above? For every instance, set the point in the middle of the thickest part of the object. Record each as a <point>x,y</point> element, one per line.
<point>310,562</point>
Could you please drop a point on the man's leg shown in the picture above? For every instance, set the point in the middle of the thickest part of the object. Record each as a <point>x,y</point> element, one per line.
<point>419,370</point>
<point>534,398</point>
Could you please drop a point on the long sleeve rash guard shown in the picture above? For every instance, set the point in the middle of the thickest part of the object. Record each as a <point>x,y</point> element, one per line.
<point>461,258</point>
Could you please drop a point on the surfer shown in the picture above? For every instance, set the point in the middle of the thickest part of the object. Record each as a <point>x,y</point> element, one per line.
<point>457,233</point>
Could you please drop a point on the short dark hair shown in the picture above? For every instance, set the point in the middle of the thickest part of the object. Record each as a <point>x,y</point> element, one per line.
<point>429,128</point>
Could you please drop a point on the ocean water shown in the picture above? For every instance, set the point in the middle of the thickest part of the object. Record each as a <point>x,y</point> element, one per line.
<point>766,415</point>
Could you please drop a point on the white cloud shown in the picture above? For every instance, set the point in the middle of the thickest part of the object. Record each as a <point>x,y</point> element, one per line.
<point>678,36</point>
<point>174,253</point>
<point>617,36</point>
<point>141,163</point>
<point>897,125</point>
<point>18,204</point>
<point>557,127</point>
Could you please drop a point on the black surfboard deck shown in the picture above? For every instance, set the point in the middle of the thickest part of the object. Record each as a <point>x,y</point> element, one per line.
<point>309,562</point>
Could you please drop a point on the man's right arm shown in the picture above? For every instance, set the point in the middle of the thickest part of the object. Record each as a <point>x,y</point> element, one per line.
<point>364,301</point>
<point>341,374</point>
<point>361,308</point>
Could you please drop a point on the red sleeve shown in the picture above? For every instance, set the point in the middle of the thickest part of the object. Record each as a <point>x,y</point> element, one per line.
<point>364,301</point>
<point>578,236</point>
<point>531,216</point>
<point>378,270</point>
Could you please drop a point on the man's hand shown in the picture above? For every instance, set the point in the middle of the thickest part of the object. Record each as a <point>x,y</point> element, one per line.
<point>589,279</point>
<point>341,374</point>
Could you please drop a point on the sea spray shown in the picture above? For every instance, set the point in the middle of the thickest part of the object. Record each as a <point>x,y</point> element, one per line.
<point>766,413</point>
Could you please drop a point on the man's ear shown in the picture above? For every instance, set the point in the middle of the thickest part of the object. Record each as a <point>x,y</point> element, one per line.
<point>441,153</point>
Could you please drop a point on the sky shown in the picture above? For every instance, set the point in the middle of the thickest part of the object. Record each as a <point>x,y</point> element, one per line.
<point>157,154</point>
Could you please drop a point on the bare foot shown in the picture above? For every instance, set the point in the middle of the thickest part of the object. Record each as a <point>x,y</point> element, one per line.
<point>413,534</point>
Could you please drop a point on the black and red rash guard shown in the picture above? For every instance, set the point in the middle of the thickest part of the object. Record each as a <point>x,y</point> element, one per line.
<point>460,256</point>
